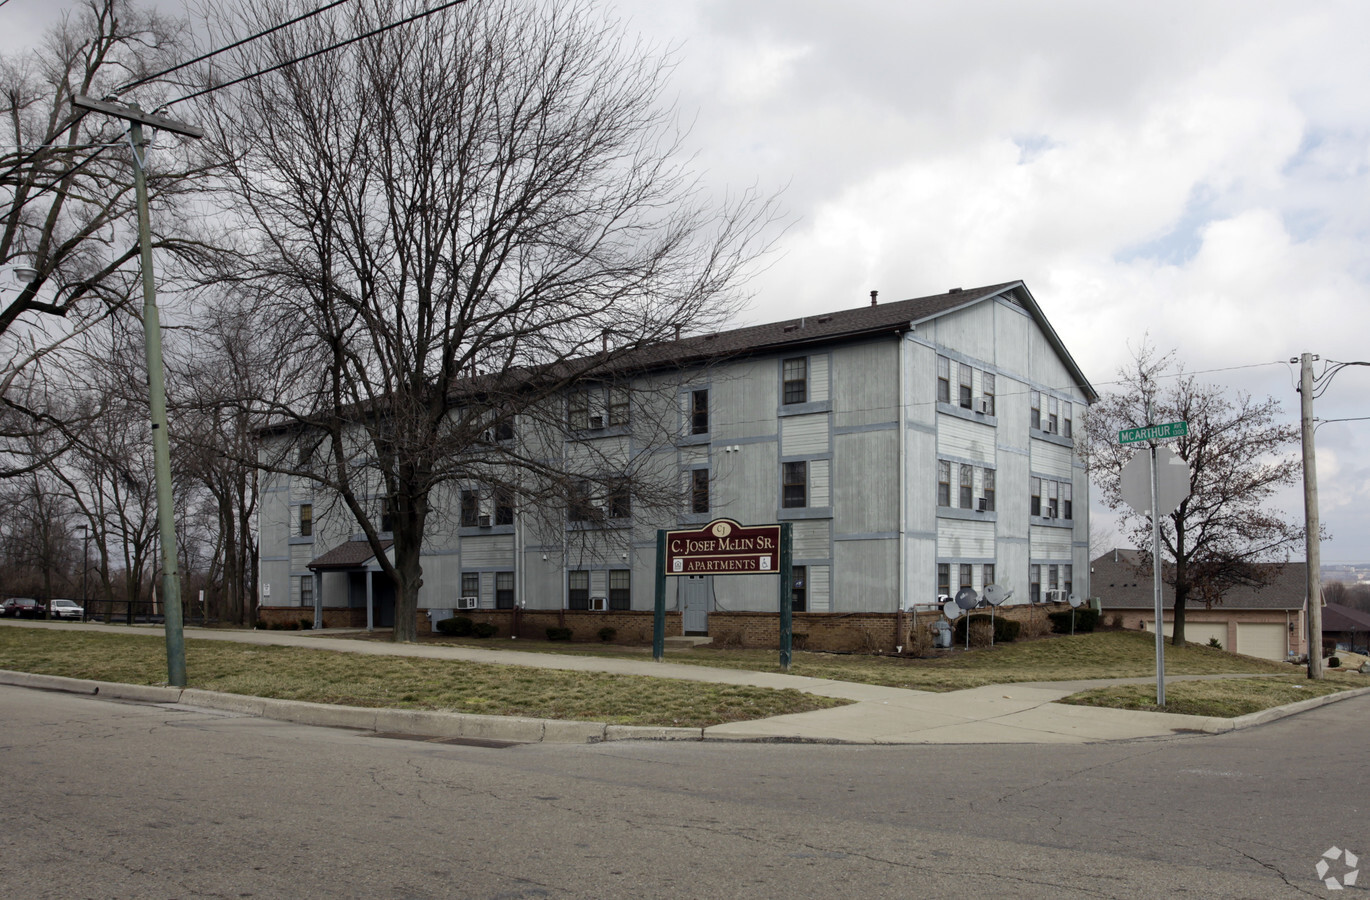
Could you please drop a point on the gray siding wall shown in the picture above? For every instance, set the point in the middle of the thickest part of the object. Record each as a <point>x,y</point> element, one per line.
<point>849,431</point>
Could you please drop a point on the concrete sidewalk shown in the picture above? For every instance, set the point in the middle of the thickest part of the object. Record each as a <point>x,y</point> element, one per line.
<point>995,714</point>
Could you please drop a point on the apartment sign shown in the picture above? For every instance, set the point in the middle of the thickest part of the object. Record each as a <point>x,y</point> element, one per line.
<point>724,547</point>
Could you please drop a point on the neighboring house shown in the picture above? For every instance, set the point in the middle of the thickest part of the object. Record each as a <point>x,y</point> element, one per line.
<point>1266,621</point>
<point>915,447</point>
<point>1348,626</point>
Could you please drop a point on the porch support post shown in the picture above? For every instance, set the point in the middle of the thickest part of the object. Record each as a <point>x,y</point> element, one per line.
<point>370,607</point>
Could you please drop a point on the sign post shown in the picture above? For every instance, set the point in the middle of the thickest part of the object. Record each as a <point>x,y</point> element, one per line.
<point>786,597</point>
<point>1155,484</point>
<point>659,619</point>
<point>724,547</point>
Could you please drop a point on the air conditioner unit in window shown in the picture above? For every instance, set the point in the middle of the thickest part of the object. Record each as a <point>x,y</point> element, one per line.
<point>468,602</point>
<point>982,505</point>
<point>982,406</point>
<point>483,521</point>
<point>599,604</point>
<point>596,422</point>
<point>1051,428</point>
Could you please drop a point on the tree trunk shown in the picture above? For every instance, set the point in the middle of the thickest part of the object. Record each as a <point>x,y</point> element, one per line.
<point>410,579</point>
<point>1181,595</point>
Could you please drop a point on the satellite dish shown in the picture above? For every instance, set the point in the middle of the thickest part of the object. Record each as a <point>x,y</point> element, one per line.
<point>966,598</point>
<point>1075,601</point>
<point>951,610</point>
<point>996,595</point>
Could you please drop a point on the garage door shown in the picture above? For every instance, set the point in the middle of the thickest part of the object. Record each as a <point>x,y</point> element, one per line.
<point>1264,640</point>
<point>1198,632</point>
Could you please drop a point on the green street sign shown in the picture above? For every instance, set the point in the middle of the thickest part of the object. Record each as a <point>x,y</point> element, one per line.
<point>1153,432</point>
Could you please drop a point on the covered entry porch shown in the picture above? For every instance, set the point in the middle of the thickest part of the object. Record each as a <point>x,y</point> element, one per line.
<point>349,576</point>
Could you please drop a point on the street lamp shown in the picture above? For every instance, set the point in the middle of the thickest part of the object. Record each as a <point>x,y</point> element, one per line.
<point>22,274</point>
<point>85,567</point>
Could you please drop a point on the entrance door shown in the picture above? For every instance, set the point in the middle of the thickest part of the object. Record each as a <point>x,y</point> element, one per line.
<point>695,591</point>
<point>383,600</point>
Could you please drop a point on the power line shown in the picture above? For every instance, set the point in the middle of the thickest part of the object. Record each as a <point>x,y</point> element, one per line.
<point>338,46</point>
<point>213,53</point>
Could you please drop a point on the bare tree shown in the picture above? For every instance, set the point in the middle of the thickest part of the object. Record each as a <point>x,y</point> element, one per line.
<point>222,376</point>
<point>105,465</point>
<point>1238,457</point>
<point>67,190</point>
<point>452,223</point>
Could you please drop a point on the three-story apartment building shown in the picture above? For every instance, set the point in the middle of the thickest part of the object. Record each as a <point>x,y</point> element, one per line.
<point>916,447</point>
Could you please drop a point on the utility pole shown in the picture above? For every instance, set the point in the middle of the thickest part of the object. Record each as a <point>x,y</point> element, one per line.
<point>1312,529</point>
<point>156,377</point>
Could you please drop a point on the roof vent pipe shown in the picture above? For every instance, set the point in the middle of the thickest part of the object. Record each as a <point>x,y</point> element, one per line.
<point>604,340</point>
<point>677,331</point>
<point>874,294</point>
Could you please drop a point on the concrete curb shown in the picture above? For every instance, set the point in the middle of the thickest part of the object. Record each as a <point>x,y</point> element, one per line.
<point>1275,713</point>
<point>139,693</point>
<point>518,729</point>
<point>430,723</point>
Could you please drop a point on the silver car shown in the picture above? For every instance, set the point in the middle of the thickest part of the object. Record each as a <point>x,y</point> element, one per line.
<point>66,609</point>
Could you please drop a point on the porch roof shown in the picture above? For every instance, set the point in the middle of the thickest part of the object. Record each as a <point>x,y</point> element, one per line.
<point>351,554</point>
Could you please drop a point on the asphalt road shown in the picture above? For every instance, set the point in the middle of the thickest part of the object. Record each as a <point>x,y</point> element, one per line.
<point>110,800</point>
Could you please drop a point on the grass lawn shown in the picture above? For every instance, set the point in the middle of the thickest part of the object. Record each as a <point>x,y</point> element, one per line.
<point>322,676</point>
<point>1105,654</point>
<point>1226,697</point>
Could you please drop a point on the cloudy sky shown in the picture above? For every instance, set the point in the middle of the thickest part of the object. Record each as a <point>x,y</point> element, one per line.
<point>1196,172</point>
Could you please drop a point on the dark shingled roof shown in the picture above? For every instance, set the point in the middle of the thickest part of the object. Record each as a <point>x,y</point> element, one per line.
<point>348,555</point>
<point>847,324</point>
<point>774,337</point>
<point>788,335</point>
<point>1121,580</point>
<point>1336,617</point>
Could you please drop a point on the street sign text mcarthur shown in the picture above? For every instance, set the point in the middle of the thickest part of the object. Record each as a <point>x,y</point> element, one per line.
<point>1153,432</point>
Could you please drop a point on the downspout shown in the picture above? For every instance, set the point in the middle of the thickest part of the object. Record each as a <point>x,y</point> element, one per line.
<point>516,616</point>
<point>520,557</point>
<point>901,432</point>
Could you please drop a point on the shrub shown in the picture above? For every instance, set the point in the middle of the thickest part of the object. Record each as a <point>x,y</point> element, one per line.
<point>1005,630</point>
<point>919,642</point>
<point>1334,662</point>
<point>558,634</point>
<point>457,626</point>
<point>1329,646</point>
<point>485,629</point>
<point>306,624</point>
<point>260,625</point>
<point>607,633</point>
<point>1036,625</point>
<point>1215,643</point>
<point>799,640</point>
<point>1085,620</point>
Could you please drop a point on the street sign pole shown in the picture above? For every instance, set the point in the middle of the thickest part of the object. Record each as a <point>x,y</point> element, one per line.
<point>786,597</point>
<point>659,614</point>
<point>1156,496</point>
<point>1156,577</point>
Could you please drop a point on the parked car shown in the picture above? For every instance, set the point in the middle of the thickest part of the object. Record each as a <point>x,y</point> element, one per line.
<point>66,609</point>
<point>22,607</point>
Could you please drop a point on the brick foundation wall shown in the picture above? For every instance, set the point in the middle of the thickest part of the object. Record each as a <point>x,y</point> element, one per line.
<point>633,626</point>
<point>840,632</point>
<point>291,615</point>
